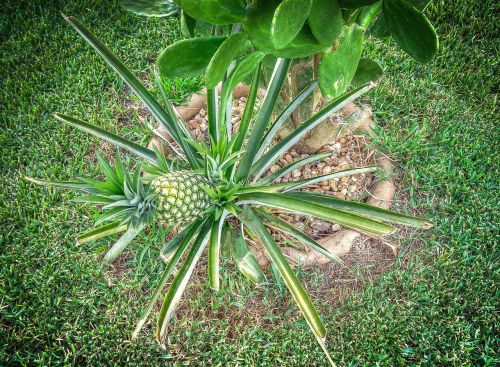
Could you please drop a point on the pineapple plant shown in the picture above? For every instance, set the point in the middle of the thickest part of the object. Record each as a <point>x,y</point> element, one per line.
<point>219,193</point>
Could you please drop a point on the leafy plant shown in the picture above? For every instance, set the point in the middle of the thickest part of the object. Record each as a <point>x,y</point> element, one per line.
<point>218,192</point>
<point>325,37</point>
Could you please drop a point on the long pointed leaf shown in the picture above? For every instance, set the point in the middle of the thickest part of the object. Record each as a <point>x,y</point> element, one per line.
<point>294,165</point>
<point>62,184</point>
<point>180,281</point>
<point>244,68</point>
<point>283,226</point>
<point>286,143</point>
<point>245,260</point>
<point>347,219</point>
<point>362,209</point>
<point>214,252</point>
<point>248,112</point>
<point>183,242</point>
<point>135,85</point>
<point>100,232</point>
<point>262,118</point>
<point>254,225</point>
<point>212,115</point>
<point>107,136</point>
<point>121,244</point>
<point>294,185</point>
<point>284,115</point>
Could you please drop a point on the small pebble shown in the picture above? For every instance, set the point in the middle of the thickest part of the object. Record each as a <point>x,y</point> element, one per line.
<point>327,170</point>
<point>335,227</point>
<point>296,173</point>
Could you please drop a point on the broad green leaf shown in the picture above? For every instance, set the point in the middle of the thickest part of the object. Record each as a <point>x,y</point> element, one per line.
<point>287,228</point>
<point>62,184</point>
<point>325,20</point>
<point>188,57</point>
<point>362,209</point>
<point>100,232</point>
<point>121,244</point>
<point>262,118</point>
<point>181,279</point>
<point>411,29</point>
<point>188,25</point>
<point>258,26</point>
<point>338,66</point>
<point>254,225</point>
<point>215,11</point>
<point>150,8</point>
<point>286,143</point>
<point>248,65</point>
<point>294,165</point>
<point>284,115</point>
<point>245,260</point>
<point>367,14</point>
<point>289,18</point>
<point>181,243</point>
<point>354,221</point>
<point>109,137</point>
<point>368,71</point>
<point>379,27</point>
<point>232,47</point>
<point>354,4</point>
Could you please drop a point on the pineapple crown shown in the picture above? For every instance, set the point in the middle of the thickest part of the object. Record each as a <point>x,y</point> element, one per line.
<point>217,188</point>
<point>124,197</point>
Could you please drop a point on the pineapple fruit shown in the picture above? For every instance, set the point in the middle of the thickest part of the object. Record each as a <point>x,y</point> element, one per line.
<point>180,196</point>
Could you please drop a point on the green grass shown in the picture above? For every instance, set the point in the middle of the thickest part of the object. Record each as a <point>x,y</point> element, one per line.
<point>437,307</point>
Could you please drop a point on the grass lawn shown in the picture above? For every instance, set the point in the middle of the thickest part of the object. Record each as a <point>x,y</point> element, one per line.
<point>436,307</point>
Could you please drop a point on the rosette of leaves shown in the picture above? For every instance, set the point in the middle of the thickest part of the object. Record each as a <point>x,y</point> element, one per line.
<point>218,192</point>
<point>334,30</point>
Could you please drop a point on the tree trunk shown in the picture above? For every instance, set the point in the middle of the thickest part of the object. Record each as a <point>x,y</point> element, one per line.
<point>301,73</point>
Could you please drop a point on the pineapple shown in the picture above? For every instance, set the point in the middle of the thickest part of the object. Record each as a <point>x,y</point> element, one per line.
<point>180,196</point>
<point>230,197</point>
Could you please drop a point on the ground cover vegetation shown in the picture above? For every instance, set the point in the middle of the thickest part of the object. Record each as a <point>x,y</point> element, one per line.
<point>49,288</point>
